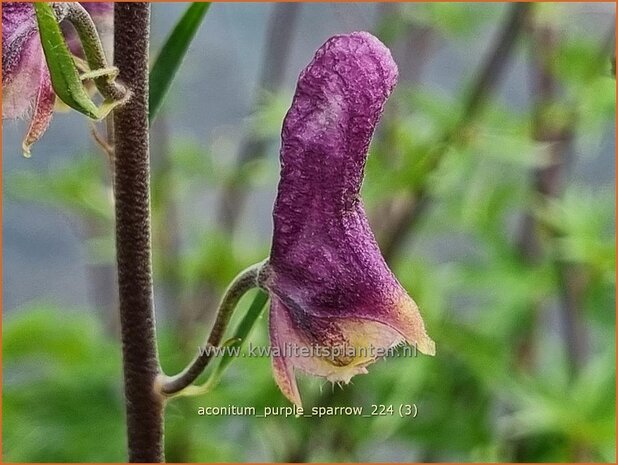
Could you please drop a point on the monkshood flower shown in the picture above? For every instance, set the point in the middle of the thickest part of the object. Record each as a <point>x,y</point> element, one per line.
<point>334,301</point>
<point>26,83</point>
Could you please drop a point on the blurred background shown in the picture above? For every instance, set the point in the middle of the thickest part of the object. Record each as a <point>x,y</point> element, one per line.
<point>490,186</point>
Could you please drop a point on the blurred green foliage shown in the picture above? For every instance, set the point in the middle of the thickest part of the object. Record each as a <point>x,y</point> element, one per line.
<point>62,396</point>
<point>503,386</point>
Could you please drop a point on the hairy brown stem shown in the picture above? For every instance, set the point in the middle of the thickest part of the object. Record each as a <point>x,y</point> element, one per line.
<point>144,407</point>
<point>489,74</point>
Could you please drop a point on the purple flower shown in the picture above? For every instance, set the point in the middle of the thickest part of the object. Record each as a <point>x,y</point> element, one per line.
<point>26,83</point>
<point>334,301</point>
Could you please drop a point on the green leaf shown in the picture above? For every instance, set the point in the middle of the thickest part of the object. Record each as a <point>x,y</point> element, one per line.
<point>171,55</point>
<point>64,75</point>
<point>240,336</point>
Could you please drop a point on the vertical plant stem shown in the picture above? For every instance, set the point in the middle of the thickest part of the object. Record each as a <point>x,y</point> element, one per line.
<point>132,196</point>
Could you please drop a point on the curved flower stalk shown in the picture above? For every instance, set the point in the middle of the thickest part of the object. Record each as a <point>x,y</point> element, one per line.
<point>102,13</point>
<point>334,301</point>
<point>26,81</point>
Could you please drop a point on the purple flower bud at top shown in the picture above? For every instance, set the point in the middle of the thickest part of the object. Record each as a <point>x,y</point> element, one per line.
<point>330,286</point>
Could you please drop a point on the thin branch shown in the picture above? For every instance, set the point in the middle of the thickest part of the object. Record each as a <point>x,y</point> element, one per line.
<point>490,73</point>
<point>132,201</point>
<point>412,51</point>
<point>246,280</point>
<point>558,138</point>
<point>493,68</point>
<point>547,182</point>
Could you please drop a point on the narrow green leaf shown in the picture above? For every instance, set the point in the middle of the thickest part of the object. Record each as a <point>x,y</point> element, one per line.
<point>64,75</point>
<point>171,55</point>
<point>240,336</point>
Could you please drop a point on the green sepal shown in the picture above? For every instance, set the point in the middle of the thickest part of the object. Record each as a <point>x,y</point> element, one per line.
<point>65,77</point>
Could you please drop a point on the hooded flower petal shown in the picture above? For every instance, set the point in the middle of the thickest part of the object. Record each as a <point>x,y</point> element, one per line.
<point>329,283</point>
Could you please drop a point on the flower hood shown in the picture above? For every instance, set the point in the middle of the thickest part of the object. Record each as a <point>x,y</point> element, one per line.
<point>331,290</point>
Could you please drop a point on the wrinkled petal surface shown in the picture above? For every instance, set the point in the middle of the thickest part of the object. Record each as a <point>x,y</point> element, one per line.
<point>22,57</point>
<point>329,282</point>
